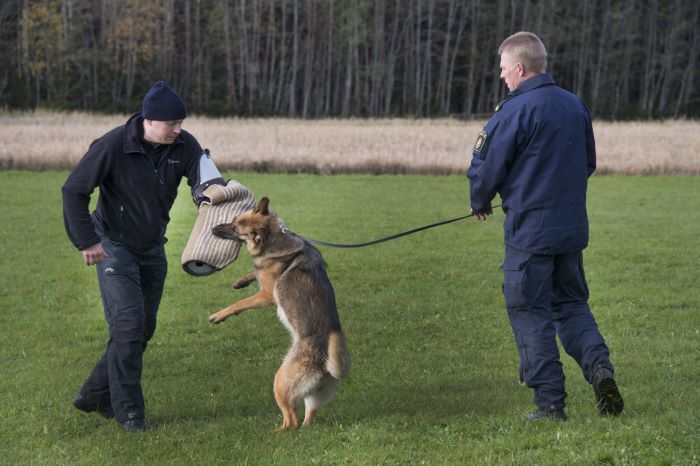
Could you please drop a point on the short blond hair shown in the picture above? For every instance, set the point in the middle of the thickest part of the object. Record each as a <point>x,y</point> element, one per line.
<point>528,49</point>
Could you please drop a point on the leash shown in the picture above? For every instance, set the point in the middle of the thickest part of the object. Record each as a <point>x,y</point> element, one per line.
<point>381,240</point>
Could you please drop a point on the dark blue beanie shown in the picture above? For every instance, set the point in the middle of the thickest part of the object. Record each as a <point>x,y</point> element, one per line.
<point>163,103</point>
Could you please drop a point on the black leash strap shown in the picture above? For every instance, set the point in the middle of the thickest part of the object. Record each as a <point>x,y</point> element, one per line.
<point>382,240</point>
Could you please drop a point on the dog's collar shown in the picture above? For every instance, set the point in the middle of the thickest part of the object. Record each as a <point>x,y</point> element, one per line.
<point>286,231</point>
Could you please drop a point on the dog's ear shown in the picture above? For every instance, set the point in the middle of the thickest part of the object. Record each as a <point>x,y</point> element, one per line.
<point>262,206</point>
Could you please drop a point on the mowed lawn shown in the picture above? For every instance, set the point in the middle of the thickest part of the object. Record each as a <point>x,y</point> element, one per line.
<point>434,377</point>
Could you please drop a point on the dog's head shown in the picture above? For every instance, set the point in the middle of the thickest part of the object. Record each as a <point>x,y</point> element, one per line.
<point>250,227</point>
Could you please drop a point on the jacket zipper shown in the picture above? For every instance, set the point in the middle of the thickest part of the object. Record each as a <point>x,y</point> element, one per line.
<point>155,171</point>
<point>158,176</point>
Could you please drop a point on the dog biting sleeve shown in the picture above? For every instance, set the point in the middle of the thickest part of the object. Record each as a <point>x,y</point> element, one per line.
<point>205,253</point>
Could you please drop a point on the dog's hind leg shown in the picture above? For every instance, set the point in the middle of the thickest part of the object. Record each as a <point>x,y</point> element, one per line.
<point>283,396</point>
<point>316,398</point>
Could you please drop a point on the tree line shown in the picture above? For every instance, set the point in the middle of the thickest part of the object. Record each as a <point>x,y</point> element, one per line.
<point>340,58</point>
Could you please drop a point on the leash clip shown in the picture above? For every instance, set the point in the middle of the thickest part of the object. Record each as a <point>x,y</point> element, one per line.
<point>285,230</point>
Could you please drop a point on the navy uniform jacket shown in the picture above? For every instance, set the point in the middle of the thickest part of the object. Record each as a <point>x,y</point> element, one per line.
<point>136,191</point>
<point>537,152</point>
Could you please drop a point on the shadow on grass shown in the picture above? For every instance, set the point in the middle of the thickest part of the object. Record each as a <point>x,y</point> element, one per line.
<point>438,399</point>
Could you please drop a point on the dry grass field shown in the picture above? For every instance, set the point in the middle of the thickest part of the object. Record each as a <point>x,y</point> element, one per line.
<point>46,140</point>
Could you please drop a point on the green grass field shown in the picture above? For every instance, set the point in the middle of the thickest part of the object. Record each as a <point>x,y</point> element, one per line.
<point>434,377</point>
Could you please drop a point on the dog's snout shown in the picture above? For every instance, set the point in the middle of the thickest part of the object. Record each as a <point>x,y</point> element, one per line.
<point>225,231</point>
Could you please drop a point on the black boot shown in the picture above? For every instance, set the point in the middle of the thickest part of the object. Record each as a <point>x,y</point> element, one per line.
<point>608,398</point>
<point>135,425</point>
<point>547,414</point>
<point>86,406</point>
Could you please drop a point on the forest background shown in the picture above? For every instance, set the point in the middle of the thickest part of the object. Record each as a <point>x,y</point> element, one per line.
<point>632,59</point>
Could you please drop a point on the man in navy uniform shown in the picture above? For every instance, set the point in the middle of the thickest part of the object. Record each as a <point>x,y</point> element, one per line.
<point>537,152</point>
<point>138,167</point>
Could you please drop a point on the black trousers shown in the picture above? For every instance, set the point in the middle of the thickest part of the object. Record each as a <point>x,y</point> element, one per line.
<point>131,285</point>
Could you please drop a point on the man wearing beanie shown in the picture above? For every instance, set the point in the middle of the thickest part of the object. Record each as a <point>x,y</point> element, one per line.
<point>138,167</point>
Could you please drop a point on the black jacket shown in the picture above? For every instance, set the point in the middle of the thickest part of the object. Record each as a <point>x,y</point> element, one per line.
<point>136,189</point>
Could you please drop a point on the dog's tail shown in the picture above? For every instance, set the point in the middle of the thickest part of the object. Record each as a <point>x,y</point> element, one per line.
<point>338,362</point>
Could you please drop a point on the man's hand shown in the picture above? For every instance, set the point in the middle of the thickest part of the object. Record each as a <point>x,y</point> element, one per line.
<point>480,215</point>
<point>94,254</point>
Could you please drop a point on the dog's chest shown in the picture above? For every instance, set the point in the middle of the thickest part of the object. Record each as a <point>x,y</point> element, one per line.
<point>282,316</point>
<point>268,277</point>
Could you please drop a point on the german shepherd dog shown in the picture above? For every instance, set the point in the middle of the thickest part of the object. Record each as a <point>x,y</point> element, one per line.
<point>292,276</point>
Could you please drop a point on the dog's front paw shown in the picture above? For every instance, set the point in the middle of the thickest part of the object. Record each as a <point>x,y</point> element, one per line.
<point>240,284</point>
<point>216,318</point>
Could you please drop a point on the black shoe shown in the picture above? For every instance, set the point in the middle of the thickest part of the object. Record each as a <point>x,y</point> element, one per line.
<point>135,425</point>
<point>87,407</point>
<point>608,398</point>
<point>547,414</point>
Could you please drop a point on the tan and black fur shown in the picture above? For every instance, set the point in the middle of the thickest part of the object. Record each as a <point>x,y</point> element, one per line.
<point>292,276</point>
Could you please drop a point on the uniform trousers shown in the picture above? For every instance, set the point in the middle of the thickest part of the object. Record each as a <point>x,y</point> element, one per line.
<point>131,285</point>
<point>547,296</point>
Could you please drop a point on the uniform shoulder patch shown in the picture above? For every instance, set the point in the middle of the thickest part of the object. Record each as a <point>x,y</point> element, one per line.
<point>480,141</point>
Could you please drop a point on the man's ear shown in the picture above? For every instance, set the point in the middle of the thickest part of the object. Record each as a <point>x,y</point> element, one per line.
<point>522,71</point>
<point>262,206</point>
